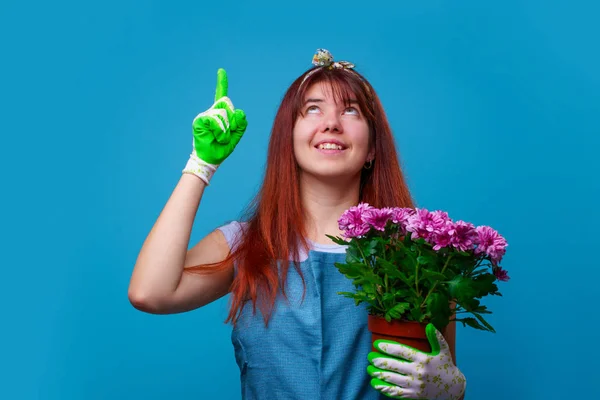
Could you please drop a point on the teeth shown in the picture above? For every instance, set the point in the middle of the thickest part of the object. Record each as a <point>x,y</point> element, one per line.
<point>330,146</point>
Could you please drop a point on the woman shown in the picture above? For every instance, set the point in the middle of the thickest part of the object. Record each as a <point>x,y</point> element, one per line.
<point>294,337</point>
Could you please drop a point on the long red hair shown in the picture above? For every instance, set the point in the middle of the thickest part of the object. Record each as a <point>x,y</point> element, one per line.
<point>275,228</point>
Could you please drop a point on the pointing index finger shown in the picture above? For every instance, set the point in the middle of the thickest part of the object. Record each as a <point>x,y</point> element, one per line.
<point>222,84</point>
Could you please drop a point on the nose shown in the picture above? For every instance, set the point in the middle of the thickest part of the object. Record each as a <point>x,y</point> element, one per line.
<point>332,123</point>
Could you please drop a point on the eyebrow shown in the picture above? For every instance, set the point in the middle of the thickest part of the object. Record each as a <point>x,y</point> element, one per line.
<point>353,101</point>
<point>313,101</point>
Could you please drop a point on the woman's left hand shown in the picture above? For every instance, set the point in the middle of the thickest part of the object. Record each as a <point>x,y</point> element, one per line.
<point>402,372</point>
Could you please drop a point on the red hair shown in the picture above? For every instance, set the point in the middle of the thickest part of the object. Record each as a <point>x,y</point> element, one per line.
<point>275,228</point>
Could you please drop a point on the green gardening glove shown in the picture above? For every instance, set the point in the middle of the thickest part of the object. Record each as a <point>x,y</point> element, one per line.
<point>402,372</point>
<point>216,132</point>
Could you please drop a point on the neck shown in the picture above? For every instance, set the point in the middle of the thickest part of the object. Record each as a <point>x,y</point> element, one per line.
<point>324,202</point>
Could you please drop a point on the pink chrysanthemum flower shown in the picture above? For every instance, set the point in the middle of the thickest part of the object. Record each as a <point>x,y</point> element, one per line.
<point>490,243</point>
<point>442,236</point>
<point>400,216</point>
<point>378,218</point>
<point>425,224</point>
<point>501,274</point>
<point>352,221</point>
<point>464,236</point>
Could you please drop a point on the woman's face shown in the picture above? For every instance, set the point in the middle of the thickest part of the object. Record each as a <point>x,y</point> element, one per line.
<point>330,138</point>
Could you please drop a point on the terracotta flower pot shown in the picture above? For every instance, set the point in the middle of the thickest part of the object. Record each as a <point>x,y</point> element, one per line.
<point>410,333</point>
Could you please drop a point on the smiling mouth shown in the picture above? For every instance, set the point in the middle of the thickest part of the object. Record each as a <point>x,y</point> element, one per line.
<point>330,146</point>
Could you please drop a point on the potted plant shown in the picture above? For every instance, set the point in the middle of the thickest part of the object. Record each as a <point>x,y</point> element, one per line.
<point>413,267</point>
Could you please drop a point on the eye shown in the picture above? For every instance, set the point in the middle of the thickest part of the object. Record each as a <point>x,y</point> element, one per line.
<point>352,111</point>
<point>312,109</point>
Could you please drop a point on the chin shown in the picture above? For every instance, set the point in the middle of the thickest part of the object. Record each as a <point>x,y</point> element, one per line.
<point>333,172</point>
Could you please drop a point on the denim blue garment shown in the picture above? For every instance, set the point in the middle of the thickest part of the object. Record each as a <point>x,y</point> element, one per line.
<point>315,349</point>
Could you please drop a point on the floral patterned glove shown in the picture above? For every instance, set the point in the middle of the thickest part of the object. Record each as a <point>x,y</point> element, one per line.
<point>402,372</point>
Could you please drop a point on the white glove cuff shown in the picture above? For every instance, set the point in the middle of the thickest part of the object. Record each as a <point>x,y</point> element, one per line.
<point>201,169</point>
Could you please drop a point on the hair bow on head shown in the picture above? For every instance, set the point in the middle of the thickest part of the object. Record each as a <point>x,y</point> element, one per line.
<point>323,58</point>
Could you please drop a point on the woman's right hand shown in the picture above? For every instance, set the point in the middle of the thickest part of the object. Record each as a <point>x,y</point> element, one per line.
<point>216,133</point>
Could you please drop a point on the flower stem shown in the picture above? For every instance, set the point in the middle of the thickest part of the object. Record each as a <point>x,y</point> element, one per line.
<point>435,283</point>
<point>376,291</point>
<point>363,256</point>
<point>477,265</point>
<point>386,283</point>
<point>417,275</point>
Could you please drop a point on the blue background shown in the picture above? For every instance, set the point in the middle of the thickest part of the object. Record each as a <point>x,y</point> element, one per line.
<point>494,107</point>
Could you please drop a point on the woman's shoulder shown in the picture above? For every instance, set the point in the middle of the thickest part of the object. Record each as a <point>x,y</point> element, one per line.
<point>233,232</point>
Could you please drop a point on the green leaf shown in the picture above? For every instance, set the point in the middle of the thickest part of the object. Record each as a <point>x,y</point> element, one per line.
<point>484,284</point>
<point>371,247</point>
<point>437,305</point>
<point>481,310</point>
<point>388,297</point>
<point>484,322</point>
<point>353,296</point>
<point>393,271</point>
<point>404,257</point>
<point>463,264</point>
<point>353,255</point>
<point>451,272</point>
<point>472,322</point>
<point>403,293</point>
<point>397,311</point>
<point>426,260</point>
<point>416,313</point>
<point>370,276</point>
<point>468,303</point>
<point>432,275</point>
<point>351,270</point>
<point>337,240</point>
<point>462,287</point>
<point>438,309</point>
<point>359,297</point>
<point>368,287</point>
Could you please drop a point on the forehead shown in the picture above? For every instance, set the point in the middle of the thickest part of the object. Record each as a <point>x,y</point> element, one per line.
<point>329,92</point>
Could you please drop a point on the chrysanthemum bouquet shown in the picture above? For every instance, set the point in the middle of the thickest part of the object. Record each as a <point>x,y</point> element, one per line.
<point>419,265</point>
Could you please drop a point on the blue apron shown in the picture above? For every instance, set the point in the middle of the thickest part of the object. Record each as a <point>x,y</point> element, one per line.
<point>312,349</point>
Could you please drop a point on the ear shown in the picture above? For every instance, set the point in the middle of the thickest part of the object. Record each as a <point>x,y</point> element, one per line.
<point>371,154</point>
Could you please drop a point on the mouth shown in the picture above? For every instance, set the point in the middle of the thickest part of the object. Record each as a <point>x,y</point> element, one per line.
<point>330,147</point>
